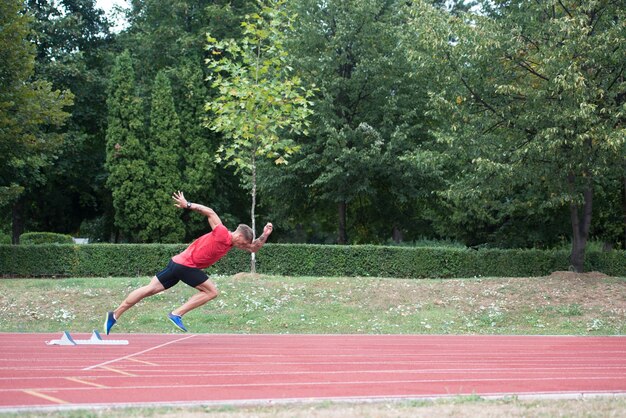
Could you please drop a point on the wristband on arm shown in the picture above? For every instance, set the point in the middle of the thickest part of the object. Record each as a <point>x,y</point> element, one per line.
<point>188,205</point>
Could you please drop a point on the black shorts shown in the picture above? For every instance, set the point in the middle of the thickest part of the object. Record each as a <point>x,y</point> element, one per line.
<point>175,272</point>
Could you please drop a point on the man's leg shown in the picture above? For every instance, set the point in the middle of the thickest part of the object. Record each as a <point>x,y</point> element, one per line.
<point>206,292</point>
<point>136,295</point>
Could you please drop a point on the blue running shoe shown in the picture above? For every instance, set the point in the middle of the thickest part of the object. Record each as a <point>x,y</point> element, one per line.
<point>109,322</point>
<point>177,320</point>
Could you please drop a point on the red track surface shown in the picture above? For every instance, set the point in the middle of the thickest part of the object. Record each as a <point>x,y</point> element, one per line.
<point>202,368</point>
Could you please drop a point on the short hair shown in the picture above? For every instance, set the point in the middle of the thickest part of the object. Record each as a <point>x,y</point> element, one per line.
<point>246,232</point>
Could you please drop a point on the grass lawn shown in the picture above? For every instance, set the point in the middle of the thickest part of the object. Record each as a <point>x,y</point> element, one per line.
<point>560,304</point>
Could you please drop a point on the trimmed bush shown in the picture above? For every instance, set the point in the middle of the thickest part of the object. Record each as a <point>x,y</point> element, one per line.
<point>5,238</point>
<point>37,238</point>
<point>102,260</point>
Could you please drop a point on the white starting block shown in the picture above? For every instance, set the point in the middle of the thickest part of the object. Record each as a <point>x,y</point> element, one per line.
<point>96,339</point>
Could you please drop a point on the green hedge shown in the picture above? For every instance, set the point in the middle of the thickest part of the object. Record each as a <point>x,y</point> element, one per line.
<point>102,260</point>
<point>36,238</point>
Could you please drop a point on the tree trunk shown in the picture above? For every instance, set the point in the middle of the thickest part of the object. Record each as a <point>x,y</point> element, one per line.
<point>580,228</point>
<point>624,211</point>
<point>17,221</point>
<point>253,255</point>
<point>343,237</point>
<point>396,235</point>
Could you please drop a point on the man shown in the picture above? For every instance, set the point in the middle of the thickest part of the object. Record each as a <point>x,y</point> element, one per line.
<point>187,266</point>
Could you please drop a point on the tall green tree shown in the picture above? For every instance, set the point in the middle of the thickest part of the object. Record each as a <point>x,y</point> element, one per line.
<point>31,114</point>
<point>198,144</point>
<point>126,154</point>
<point>261,103</point>
<point>73,47</point>
<point>353,173</point>
<point>533,97</point>
<point>163,223</point>
<point>170,35</point>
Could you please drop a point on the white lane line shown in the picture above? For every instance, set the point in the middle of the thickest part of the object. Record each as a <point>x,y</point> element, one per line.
<point>136,354</point>
<point>372,383</point>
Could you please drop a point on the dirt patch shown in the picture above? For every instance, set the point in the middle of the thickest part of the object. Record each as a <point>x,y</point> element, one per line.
<point>573,275</point>
<point>240,276</point>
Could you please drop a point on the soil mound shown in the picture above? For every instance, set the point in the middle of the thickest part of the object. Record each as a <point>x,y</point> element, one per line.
<point>246,276</point>
<point>568,275</point>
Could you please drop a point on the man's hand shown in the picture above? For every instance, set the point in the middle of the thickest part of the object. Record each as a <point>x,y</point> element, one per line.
<point>180,200</point>
<point>268,229</point>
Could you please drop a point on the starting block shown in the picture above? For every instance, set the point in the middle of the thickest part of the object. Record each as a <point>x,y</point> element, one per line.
<point>96,339</point>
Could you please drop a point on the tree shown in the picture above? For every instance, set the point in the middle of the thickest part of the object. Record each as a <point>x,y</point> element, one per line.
<point>162,221</point>
<point>353,173</point>
<point>31,113</point>
<point>533,100</point>
<point>197,164</point>
<point>73,47</point>
<point>126,154</point>
<point>261,103</point>
<point>170,35</point>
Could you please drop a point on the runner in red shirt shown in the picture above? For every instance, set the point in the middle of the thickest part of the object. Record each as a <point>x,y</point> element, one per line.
<point>187,266</point>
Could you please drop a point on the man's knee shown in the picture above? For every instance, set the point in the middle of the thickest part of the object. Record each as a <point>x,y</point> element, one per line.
<point>153,291</point>
<point>209,290</point>
<point>153,288</point>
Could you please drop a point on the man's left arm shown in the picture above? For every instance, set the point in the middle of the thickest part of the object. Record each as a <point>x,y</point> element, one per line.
<point>260,241</point>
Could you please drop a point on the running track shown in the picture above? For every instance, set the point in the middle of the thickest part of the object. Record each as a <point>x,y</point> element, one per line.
<point>177,369</point>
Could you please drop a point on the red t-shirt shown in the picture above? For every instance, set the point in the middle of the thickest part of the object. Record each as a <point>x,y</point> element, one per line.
<point>207,249</point>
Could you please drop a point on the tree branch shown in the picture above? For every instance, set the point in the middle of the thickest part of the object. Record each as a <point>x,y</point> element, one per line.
<point>492,127</point>
<point>480,99</point>
<point>565,8</point>
<point>528,68</point>
<point>621,71</point>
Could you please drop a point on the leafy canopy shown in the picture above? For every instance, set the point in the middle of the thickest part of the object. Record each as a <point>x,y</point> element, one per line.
<point>260,103</point>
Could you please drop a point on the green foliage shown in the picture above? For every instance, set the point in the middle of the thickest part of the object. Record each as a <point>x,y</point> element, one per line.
<point>527,105</point>
<point>198,146</point>
<point>301,260</point>
<point>37,238</point>
<point>39,260</point>
<point>530,96</point>
<point>163,223</point>
<point>5,238</point>
<point>358,176</point>
<point>31,110</point>
<point>73,47</point>
<point>124,259</point>
<point>170,36</point>
<point>261,103</point>
<point>126,159</point>
<point>94,229</point>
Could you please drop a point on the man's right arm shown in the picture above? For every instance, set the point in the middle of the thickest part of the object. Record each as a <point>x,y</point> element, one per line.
<point>182,203</point>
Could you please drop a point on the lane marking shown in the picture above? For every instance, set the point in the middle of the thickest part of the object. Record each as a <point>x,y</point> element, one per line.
<point>331,383</point>
<point>381,373</point>
<point>142,361</point>
<point>262,373</point>
<point>111,369</point>
<point>85,382</point>
<point>46,397</point>
<point>136,354</point>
